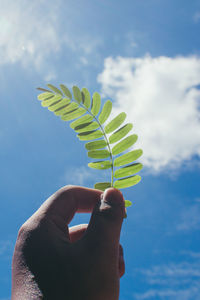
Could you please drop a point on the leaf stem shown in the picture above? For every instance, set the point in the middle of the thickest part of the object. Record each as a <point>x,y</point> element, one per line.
<point>109,149</point>
<point>105,138</point>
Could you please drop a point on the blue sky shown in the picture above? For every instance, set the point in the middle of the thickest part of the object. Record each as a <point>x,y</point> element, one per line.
<point>144,55</point>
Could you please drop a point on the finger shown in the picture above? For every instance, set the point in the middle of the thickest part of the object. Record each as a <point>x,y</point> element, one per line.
<point>105,224</point>
<point>77,232</point>
<point>62,205</point>
<point>121,262</point>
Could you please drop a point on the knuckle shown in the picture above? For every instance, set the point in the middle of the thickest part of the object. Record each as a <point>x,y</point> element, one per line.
<point>22,230</point>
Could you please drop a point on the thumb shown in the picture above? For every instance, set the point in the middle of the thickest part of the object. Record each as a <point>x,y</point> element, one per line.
<point>103,231</point>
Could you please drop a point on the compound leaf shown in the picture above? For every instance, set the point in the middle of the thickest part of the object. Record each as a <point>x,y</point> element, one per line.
<point>91,129</point>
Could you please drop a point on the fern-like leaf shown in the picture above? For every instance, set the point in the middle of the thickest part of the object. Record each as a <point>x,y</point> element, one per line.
<point>88,119</point>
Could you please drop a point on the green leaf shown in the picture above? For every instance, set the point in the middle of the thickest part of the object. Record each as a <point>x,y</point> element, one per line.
<point>96,104</point>
<point>45,96</point>
<point>105,113</point>
<point>128,203</point>
<point>54,89</point>
<point>87,127</point>
<point>115,123</point>
<point>69,108</point>
<point>124,144</point>
<point>127,182</point>
<point>98,154</point>
<point>73,114</point>
<point>127,158</point>
<point>66,91</point>
<point>120,133</point>
<point>96,145</point>
<point>61,104</point>
<point>51,101</point>
<point>127,171</point>
<point>100,165</point>
<point>86,97</point>
<point>43,90</point>
<point>77,94</point>
<point>83,120</point>
<point>93,135</point>
<point>102,185</point>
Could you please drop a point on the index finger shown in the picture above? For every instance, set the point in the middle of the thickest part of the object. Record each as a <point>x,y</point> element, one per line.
<point>69,200</point>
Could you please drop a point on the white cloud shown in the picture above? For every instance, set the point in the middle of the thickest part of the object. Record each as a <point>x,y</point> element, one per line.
<point>28,31</point>
<point>191,254</point>
<point>130,36</point>
<point>180,281</point>
<point>196,17</point>
<point>170,294</point>
<point>162,100</point>
<point>35,32</point>
<point>79,176</point>
<point>189,218</point>
<point>84,176</point>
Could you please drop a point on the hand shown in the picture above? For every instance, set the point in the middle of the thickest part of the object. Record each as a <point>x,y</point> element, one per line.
<point>52,261</point>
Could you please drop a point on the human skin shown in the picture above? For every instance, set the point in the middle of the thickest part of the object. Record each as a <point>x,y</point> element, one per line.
<point>84,262</point>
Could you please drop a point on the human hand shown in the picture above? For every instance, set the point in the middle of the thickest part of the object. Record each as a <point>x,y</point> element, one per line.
<point>52,261</point>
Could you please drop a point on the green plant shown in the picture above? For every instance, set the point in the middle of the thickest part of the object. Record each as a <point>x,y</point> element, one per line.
<point>106,143</point>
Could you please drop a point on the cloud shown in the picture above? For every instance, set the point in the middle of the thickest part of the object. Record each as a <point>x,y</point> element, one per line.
<point>28,32</point>
<point>162,98</point>
<point>170,294</point>
<point>196,17</point>
<point>180,281</point>
<point>189,218</point>
<point>78,176</point>
<point>82,175</point>
<point>35,33</point>
<point>191,254</point>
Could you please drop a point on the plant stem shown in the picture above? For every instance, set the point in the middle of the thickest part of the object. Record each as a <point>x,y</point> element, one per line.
<point>105,138</point>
